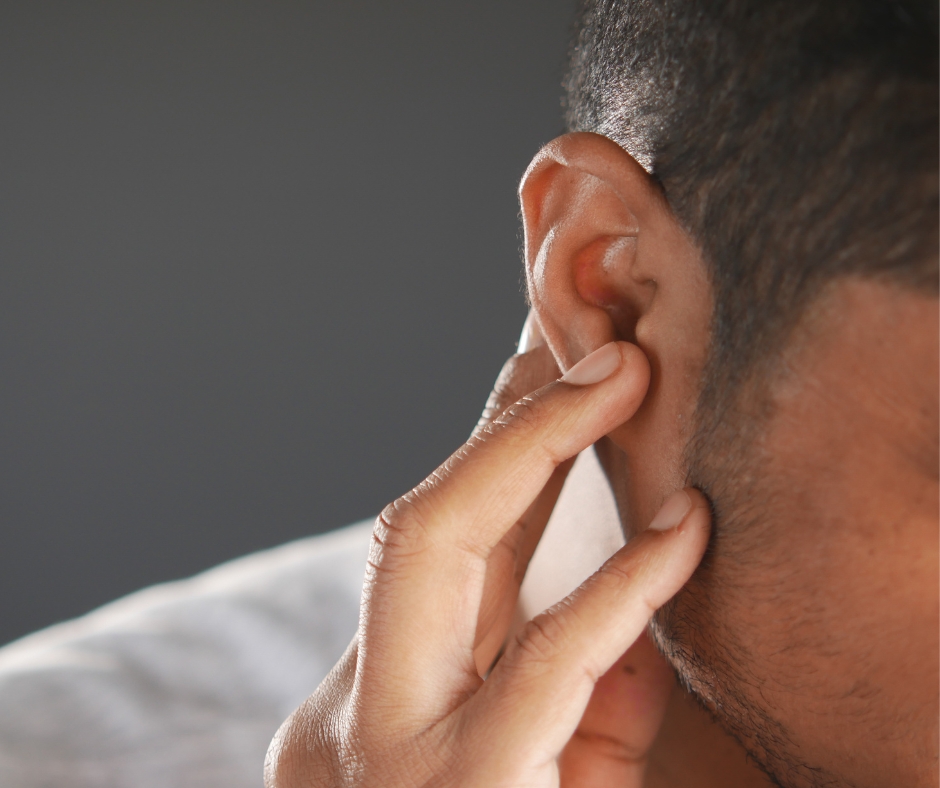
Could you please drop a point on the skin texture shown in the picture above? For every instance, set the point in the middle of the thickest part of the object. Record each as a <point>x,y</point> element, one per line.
<point>826,598</point>
<point>810,631</point>
<point>579,693</point>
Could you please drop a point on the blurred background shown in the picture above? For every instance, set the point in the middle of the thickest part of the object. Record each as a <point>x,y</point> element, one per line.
<point>259,265</point>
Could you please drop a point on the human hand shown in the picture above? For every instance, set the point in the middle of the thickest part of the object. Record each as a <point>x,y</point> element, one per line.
<point>406,705</point>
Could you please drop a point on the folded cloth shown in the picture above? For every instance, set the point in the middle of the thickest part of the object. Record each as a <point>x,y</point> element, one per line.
<point>185,683</point>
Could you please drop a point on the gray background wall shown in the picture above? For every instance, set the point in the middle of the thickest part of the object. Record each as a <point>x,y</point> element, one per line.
<point>258,268</point>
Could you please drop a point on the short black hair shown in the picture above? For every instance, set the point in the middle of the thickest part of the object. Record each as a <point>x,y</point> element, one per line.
<point>796,141</point>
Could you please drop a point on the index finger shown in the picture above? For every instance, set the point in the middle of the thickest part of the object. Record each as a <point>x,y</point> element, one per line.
<point>428,563</point>
<point>532,367</point>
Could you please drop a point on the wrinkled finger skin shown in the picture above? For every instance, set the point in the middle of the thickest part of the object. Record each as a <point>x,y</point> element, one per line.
<point>431,548</point>
<point>406,705</point>
<point>533,367</point>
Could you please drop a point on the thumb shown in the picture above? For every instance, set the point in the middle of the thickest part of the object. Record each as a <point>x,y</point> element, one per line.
<point>612,742</point>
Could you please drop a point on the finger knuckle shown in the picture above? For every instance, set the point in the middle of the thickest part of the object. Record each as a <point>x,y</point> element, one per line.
<point>527,412</point>
<point>505,392</point>
<point>402,526</point>
<point>620,575</point>
<point>541,639</point>
<point>484,431</point>
<point>611,747</point>
<point>306,751</point>
<point>625,581</point>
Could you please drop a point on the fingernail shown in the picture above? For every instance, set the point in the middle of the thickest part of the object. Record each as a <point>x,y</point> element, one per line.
<point>531,337</point>
<point>595,367</point>
<point>672,512</point>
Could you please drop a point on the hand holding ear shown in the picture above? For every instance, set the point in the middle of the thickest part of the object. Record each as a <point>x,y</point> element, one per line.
<point>407,704</point>
<point>606,259</point>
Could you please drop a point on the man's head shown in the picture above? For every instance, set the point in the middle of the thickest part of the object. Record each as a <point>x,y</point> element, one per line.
<point>762,220</point>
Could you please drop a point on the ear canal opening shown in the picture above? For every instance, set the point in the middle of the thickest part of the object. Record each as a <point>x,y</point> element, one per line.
<point>624,318</point>
<point>604,279</point>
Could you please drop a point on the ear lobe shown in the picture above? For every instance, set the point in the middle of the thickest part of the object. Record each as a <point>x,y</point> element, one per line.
<point>583,199</point>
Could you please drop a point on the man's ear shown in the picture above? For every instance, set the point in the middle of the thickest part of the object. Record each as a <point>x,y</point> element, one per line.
<point>605,257</point>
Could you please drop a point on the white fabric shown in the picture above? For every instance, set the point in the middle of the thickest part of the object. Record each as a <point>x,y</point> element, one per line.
<point>185,683</point>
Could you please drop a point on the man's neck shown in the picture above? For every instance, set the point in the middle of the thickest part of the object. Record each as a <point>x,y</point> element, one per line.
<point>691,751</point>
